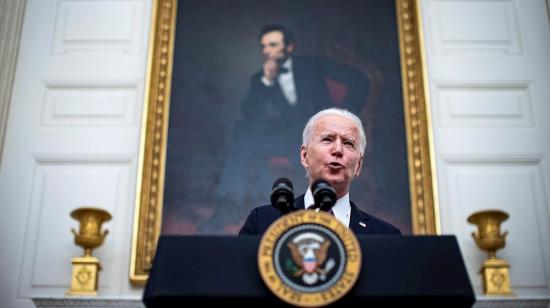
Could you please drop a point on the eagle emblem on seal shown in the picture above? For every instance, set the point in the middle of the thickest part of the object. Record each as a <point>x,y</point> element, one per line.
<point>309,257</point>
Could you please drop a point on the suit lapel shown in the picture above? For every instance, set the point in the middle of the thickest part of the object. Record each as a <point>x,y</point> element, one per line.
<point>358,222</point>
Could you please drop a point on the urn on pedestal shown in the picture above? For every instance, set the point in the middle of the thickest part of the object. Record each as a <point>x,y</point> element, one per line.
<point>86,268</point>
<point>495,271</point>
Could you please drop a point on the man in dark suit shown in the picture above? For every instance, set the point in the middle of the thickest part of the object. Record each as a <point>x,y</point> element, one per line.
<point>333,145</point>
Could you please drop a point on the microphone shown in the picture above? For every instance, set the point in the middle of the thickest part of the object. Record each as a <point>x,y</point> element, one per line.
<point>323,194</point>
<point>282,195</point>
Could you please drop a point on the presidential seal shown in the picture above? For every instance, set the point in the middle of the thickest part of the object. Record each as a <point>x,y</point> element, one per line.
<point>309,258</point>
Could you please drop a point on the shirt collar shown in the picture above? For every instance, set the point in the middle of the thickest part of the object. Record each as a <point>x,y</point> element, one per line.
<point>288,64</point>
<point>341,209</point>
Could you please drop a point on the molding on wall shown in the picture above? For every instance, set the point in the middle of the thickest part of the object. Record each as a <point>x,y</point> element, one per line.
<point>11,22</point>
<point>485,302</point>
<point>58,302</point>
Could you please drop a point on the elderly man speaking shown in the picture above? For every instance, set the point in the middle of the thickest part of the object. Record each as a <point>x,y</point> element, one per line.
<point>333,145</point>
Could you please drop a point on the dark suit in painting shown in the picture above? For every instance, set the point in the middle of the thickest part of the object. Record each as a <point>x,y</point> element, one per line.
<point>360,223</point>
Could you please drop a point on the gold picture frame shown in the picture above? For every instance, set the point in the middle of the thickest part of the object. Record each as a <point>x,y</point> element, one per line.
<point>152,158</point>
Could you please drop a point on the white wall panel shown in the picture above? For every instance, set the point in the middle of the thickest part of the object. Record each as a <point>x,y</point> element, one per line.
<point>73,103</point>
<point>59,185</point>
<point>499,32</point>
<point>92,26</point>
<point>516,187</point>
<point>496,104</point>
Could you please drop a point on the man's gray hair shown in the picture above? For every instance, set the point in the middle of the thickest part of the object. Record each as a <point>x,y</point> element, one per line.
<point>308,129</point>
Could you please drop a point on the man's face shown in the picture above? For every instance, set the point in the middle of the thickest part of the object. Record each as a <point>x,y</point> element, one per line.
<point>333,152</point>
<point>274,48</point>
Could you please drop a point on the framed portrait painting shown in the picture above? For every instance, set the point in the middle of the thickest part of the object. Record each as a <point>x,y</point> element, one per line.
<point>214,140</point>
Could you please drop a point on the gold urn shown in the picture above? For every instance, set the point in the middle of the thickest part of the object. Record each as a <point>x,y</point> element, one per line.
<point>495,271</point>
<point>84,279</point>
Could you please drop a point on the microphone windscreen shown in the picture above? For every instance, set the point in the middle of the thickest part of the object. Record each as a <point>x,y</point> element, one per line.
<point>320,184</point>
<point>282,195</point>
<point>323,194</point>
<point>283,181</point>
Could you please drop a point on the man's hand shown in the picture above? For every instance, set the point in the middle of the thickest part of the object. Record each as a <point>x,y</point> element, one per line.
<point>271,69</point>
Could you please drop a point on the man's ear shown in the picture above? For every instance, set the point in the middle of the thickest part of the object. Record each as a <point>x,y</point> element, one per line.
<point>359,165</point>
<point>303,156</point>
<point>290,48</point>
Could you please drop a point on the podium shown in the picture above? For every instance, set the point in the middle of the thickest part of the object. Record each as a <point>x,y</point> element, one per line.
<point>396,270</point>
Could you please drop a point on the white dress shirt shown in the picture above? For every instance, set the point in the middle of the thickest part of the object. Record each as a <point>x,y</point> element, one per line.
<point>286,81</point>
<point>341,209</point>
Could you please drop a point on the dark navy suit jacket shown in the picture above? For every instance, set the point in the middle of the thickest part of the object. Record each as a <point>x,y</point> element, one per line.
<point>262,217</point>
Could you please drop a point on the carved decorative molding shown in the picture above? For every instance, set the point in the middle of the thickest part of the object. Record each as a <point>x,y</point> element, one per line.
<point>51,302</point>
<point>422,183</point>
<point>511,303</point>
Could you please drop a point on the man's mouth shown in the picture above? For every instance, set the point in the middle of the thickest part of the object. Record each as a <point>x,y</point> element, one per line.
<point>335,166</point>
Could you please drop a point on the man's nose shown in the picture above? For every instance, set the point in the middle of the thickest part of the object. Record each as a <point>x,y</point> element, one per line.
<point>338,148</point>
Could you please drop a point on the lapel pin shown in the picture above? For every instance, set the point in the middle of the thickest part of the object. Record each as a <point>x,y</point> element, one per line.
<point>362,224</point>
